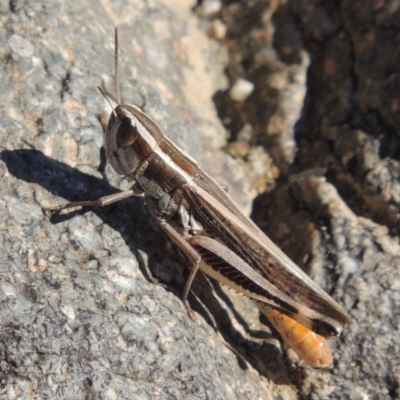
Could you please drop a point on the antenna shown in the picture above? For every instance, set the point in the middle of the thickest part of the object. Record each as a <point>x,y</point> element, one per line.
<point>116,64</point>
<point>108,100</point>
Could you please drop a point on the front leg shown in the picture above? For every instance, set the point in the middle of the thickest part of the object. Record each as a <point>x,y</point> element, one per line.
<point>135,190</point>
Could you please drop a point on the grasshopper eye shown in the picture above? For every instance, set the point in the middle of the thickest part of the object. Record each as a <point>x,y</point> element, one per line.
<point>127,132</point>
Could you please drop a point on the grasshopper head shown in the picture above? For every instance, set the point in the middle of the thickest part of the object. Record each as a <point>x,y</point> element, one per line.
<point>130,138</point>
<point>131,135</point>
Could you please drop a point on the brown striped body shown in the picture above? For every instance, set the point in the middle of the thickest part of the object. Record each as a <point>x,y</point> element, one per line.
<point>207,224</point>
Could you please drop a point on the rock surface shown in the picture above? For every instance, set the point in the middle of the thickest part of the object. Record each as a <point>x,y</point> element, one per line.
<point>90,299</point>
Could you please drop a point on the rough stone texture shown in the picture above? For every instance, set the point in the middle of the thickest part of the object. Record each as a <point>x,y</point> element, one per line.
<point>91,299</point>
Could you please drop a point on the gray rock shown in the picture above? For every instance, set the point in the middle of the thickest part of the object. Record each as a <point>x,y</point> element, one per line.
<point>90,299</point>
<point>81,316</point>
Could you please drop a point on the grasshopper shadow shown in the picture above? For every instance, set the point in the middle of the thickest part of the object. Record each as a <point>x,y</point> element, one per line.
<point>131,219</point>
<point>127,217</point>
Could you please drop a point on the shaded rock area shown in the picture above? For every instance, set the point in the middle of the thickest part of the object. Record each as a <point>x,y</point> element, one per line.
<point>302,95</point>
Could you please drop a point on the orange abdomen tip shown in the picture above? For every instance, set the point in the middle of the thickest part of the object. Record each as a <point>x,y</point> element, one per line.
<point>309,346</point>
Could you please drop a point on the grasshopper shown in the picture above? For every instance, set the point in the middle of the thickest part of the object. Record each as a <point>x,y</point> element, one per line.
<point>209,228</point>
